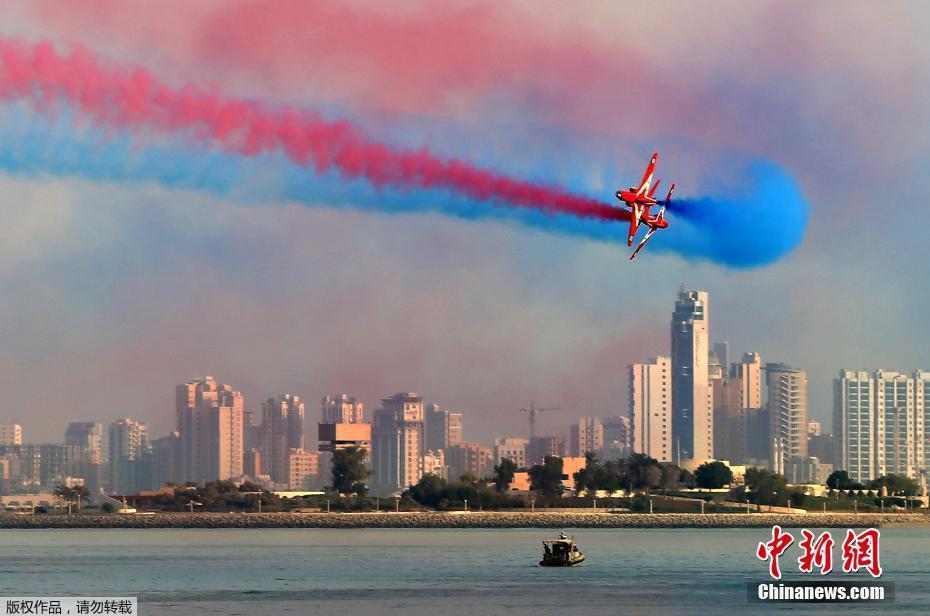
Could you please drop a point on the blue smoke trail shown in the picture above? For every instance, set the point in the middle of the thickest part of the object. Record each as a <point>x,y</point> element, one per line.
<point>757,223</point>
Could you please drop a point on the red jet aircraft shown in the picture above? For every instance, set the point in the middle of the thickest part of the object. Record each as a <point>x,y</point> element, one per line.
<point>639,200</point>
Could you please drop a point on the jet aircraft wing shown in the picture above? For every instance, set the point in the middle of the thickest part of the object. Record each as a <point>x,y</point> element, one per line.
<point>643,243</point>
<point>647,177</point>
<point>634,227</point>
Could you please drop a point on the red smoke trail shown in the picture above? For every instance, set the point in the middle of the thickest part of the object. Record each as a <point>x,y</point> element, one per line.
<point>136,99</point>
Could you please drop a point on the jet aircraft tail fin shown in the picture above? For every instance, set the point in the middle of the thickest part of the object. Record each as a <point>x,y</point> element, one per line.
<point>668,199</point>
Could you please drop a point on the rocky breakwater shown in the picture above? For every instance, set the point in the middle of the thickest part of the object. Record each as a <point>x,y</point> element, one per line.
<point>459,520</point>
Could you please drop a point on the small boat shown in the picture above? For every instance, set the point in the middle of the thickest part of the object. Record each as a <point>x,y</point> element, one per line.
<point>561,552</point>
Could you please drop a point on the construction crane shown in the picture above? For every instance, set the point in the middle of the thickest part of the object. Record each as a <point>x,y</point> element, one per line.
<point>532,411</point>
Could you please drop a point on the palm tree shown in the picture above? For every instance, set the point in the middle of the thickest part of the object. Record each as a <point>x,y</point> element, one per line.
<point>80,492</point>
<point>70,495</point>
<point>66,494</point>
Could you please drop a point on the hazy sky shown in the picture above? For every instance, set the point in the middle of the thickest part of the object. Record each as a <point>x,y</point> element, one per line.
<point>132,260</point>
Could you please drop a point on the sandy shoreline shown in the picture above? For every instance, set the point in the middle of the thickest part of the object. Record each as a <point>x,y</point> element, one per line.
<point>466,520</point>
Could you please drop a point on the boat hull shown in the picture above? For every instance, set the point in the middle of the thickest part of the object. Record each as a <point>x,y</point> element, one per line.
<point>554,562</point>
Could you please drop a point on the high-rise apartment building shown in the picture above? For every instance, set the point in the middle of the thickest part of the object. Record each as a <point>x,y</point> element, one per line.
<point>737,400</point>
<point>251,430</point>
<point>341,408</point>
<point>44,466</point>
<point>209,419</point>
<point>303,469</point>
<point>434,463</point>
<point>721,353</point>
<point>541,446</point>
<point>10,471</point>
<point>454,429</point>
<point>879,424</point>
<point>11,434</point>
<point>749,373</point>
<point>692,398</point>
<point>729,424</point>
<point>820,446</point>
<point>741,430</point>
<point>899,430</point>
<point>82,453</point>
<point>224,439</point>
<point>819,443</point>
<point>586,435</point>
<point>854,424</point>
<point>758,441</point>
<point>23,465</point>
<point>166,459</point>
<point>922,406</point>
<point>717,361</point>
<point>471,458</point>
<point>127,444</point>
<point>189,398</point>
<point>342,425</point>
<point>128,439</point>
<point>435,426</point>
<point>87,436</point>
<point>443,428</point>
<point>617,434</point>
<point>397,442</point>
<point>787,405</point>
<point>814,428</point>
<point>650,399</point>
<point>252,463</point>
<point>282,432</point>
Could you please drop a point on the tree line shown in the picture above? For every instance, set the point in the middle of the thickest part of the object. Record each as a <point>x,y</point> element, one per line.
<point>637,472</point>
<point>893,483</point>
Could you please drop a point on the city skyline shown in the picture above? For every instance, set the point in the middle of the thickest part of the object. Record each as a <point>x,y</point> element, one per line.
<point>411,438</point>
<point>512,424</point>
<point>690,408</point>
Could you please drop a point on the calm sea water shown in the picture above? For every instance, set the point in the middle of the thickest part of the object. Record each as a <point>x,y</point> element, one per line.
<point>420,572</point>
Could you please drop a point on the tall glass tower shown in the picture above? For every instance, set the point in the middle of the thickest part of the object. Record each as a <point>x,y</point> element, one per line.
<point>692,397</point>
